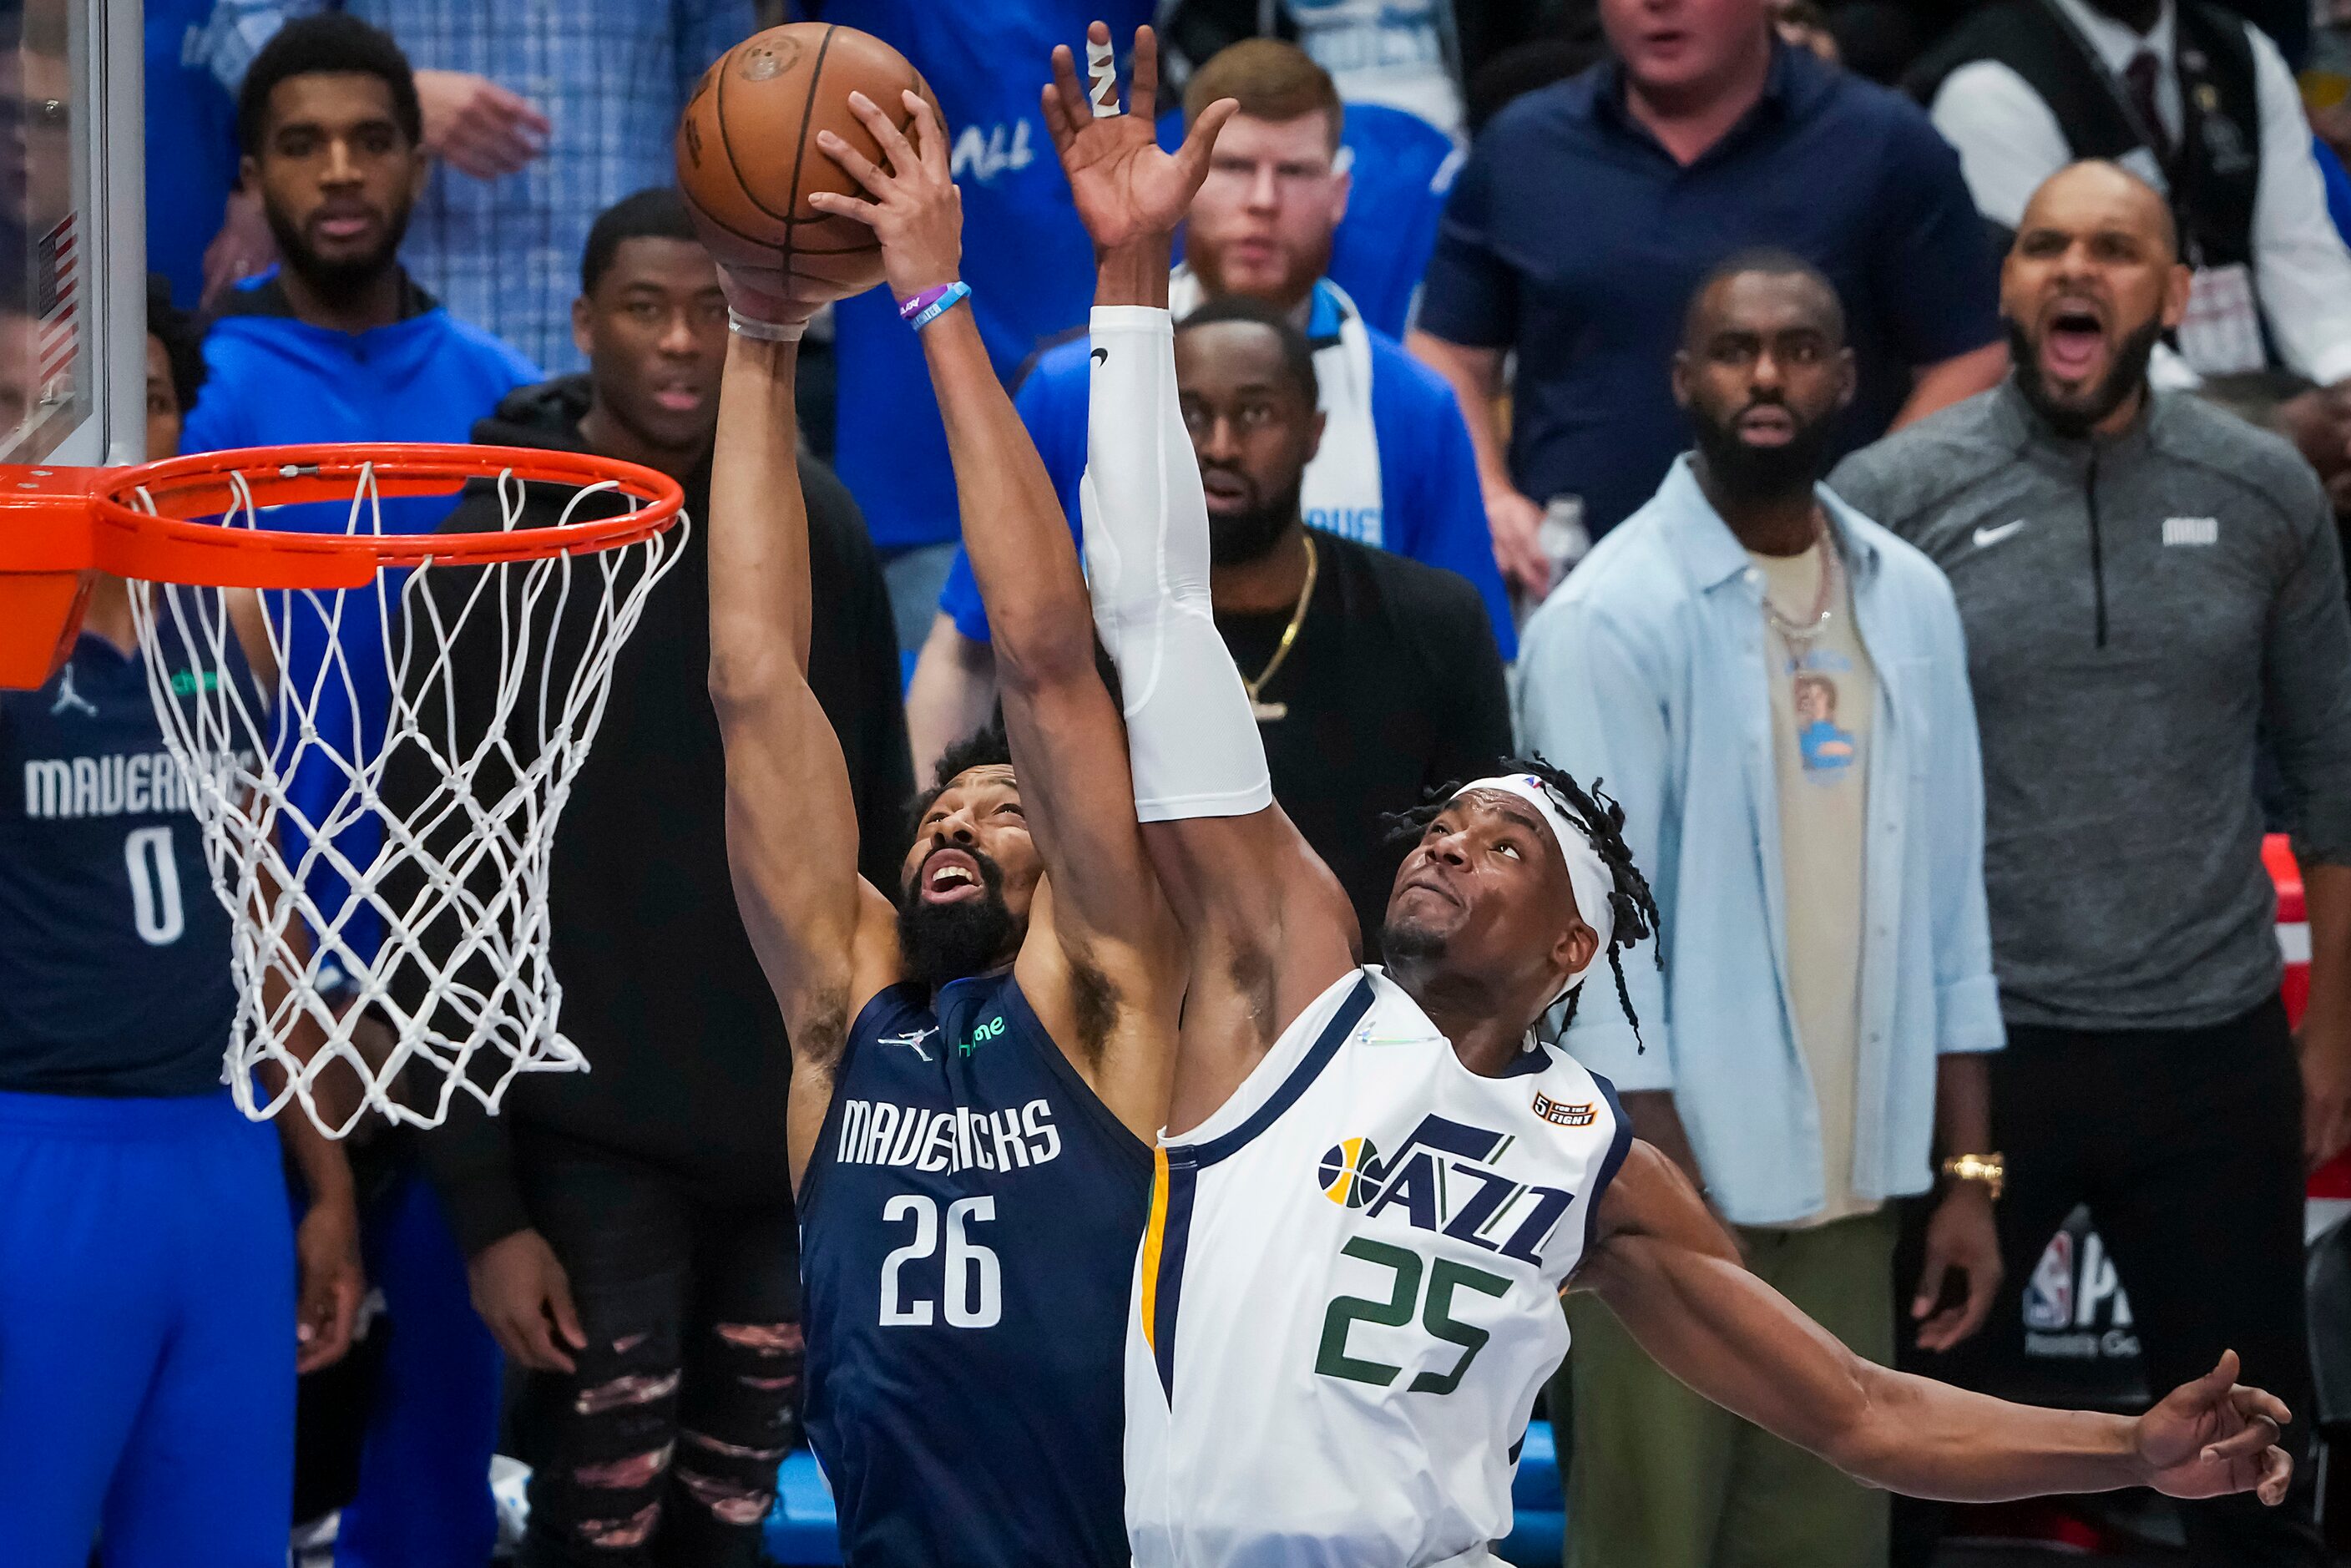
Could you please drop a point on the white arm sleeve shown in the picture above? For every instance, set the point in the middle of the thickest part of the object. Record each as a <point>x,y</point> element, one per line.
<point>1194,742</point>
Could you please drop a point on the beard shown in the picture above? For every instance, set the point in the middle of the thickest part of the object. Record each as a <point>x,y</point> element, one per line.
<point>336,282</point>
<point>1409,943</point>
<point>1297,280</point>
<point>941,942</point>
<point>1239,537</point>
<point>2076,417</point>
<point>1758,474</point>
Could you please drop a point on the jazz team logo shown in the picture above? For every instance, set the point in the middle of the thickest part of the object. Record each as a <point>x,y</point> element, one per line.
<point>1445,1179</point>
<point>1345,1164</point>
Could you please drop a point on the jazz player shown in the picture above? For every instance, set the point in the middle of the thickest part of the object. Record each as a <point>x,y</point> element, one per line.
<point>1373,1185</point>
<point>977,1072</point>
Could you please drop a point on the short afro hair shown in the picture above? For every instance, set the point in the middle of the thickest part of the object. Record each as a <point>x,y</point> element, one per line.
<point>329,43</point>
<point>1767,261</point>
<point>182,337</point>
<point>657,212</point>
<point>1297,353</point>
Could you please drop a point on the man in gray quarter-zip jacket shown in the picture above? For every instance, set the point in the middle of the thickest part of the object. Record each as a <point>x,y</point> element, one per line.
<point>2143,580</point>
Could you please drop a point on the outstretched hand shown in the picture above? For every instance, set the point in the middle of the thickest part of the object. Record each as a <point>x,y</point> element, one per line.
<point>2215,1436</point>
<point>1126,188</point>
<point>917,211</point>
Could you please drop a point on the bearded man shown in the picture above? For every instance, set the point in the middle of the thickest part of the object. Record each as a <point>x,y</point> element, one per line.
<point>1819,1027</point>
<point>2146,582</point>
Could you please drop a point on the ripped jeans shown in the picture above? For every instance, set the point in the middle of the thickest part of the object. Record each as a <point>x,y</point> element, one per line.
<point>661,1449</point>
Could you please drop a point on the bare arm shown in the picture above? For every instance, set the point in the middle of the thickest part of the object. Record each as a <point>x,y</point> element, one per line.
<point>825,939</point>
<point>951,693</point>
<point>1962,1236</point>
<point>1106,976</point>
<point>1513,517</point>
<point>1736,1341</point>
<point>1947,382</point>
<point>1267,924</point>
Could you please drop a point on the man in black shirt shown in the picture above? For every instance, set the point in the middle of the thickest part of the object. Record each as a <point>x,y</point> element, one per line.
<point>1374,678</point>
<point>630,1230</point>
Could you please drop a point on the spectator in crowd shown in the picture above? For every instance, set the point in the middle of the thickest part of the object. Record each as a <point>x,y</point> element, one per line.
<point>2145,581</point>
<point>540,117</point>
<point>147,1263</point>
<point>635,1223</point>
<point>1402,54</point>
<point>338,344</point>
<point>1393,468</point>
<point>202,225</point>
<point>2196,101</point>
<point>1591,208</point>
<point>1374,678</point>
<point>1028,263</point>
<point>1829,890</point>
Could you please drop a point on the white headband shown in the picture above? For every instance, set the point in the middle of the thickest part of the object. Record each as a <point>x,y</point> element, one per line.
<point>1587,873</point>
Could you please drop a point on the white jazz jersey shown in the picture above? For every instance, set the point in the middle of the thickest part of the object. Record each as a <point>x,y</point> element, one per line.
<point>1349,1293</point>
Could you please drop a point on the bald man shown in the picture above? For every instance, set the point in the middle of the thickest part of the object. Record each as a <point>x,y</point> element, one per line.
<point>2143,579</point>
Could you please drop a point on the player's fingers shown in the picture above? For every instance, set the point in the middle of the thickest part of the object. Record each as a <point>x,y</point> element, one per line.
<point>2253,1438</point>
<point>1056,123</point>
<point>2277,1475</point>
<point>1192,158</point>
<point>930,141</point>
<point>841,206</point>
<point>895,149</point>
<point>2222,1379</point>
<point>2260,1402</point>
<point>1942,1332</point>
<point>856,164</point>
<point>1143,76</point>
<point>1074,105</point>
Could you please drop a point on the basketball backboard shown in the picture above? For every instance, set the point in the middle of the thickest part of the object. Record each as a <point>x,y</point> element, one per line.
<point>72,240</point>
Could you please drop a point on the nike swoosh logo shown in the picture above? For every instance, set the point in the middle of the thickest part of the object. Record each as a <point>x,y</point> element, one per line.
<point>1987,538</point>
<point>1102,356</point>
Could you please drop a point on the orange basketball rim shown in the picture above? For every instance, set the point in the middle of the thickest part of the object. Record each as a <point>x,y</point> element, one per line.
<point>162,522</point>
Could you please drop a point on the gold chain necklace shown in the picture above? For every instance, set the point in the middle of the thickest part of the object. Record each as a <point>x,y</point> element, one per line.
<point>1265,712</point>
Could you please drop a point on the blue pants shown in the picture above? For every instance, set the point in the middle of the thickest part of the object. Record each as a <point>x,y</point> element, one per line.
<point>425,1465</point>
<point>146,1334</point>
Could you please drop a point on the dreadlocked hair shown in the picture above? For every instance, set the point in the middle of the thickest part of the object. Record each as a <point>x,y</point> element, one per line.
<point>1632,907</point>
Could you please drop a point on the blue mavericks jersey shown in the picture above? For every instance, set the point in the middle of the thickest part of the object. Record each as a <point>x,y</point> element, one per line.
<point>968,1232</point>
<point>114,951</point>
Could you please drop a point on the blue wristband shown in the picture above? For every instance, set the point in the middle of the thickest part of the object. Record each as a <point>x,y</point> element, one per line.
<point>955,293</point>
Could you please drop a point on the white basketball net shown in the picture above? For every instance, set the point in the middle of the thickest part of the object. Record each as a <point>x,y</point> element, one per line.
<point>459,883</point>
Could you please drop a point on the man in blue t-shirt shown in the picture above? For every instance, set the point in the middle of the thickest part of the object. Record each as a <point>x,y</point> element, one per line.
<point>147,1264</point>
<point>1590,209</point>
<point>338,345</point>
<point>1028,262</point>
<point>1395,468</point>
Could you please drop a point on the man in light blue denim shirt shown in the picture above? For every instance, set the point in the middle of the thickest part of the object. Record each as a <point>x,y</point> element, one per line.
<point>1775,689</point>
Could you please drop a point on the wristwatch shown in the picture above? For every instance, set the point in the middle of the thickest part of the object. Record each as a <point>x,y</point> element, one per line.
<point>1992,1170</point>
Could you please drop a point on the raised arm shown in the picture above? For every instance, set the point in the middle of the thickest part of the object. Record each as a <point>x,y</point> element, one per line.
<point>1267,925</point>
<point>1103,967</point>
<point>1667,1272</point>
<point>826,940</point>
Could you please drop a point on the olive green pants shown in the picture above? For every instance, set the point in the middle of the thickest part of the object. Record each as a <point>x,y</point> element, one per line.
<point>1661,1479</point>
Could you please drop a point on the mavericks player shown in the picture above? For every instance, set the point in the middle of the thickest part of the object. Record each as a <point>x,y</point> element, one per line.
<point>148,1271</point>
<point>1373,1185</point>
<point>977,1072</point>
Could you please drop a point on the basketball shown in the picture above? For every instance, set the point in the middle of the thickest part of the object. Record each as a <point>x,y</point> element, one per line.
<point>747,158</point>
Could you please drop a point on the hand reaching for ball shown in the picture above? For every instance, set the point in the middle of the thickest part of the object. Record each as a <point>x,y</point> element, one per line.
<point>1127,190</point>
<point>916,213</point>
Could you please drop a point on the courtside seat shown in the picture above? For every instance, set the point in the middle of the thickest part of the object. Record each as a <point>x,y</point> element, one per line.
<point>801,1532</point>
